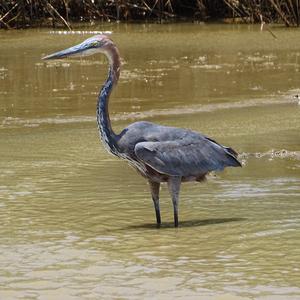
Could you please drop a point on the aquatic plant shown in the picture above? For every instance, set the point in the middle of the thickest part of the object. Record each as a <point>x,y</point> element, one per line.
<point>24,13</point>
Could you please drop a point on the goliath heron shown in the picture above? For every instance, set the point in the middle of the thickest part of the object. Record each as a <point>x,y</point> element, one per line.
<point>159,153</point>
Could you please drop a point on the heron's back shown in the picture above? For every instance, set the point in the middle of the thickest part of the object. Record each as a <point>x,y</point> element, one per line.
<point>175,151</point>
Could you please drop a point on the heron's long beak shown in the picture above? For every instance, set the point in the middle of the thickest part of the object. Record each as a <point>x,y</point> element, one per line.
<point>72,51</point>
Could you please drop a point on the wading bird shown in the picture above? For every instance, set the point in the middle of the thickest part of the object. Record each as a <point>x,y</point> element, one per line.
<point>159,153</point>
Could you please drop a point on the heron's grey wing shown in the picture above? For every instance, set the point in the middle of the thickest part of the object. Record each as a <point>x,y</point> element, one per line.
<point>185,157</point>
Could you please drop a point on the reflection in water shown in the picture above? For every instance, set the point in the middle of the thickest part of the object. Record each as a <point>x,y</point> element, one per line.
<point>78,224</point>
<point>189,223</point>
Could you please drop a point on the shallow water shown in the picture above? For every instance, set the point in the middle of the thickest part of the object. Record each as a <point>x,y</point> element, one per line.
<point>77,223</point>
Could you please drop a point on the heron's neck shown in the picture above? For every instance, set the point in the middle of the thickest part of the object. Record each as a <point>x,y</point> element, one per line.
<point>107,135</point>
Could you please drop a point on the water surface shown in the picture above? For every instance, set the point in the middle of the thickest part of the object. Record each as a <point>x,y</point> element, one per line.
<point>77,223</point>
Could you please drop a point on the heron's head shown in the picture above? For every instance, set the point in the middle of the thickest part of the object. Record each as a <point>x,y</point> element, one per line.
<point>95,44</point>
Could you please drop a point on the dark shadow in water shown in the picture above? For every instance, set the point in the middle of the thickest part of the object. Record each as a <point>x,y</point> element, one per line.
<point>189,223</point>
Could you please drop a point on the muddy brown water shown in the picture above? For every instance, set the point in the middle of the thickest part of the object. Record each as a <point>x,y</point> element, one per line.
<point>77,223</point>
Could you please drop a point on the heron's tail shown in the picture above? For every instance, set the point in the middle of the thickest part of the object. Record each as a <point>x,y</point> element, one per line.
<point>234,157</point>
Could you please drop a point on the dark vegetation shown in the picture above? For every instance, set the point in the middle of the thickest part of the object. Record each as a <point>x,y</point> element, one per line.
<point>58,13</point>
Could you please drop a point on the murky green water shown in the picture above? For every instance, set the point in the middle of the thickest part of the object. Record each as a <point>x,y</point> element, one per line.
<point>77,223</point>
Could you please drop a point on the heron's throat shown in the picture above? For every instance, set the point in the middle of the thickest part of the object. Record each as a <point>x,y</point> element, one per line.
<point>107,135</point>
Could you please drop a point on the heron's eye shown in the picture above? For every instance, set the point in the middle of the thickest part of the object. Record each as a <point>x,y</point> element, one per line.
<point>95,44</point>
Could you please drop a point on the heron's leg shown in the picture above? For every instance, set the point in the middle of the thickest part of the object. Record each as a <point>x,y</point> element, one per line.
<point>174,188</point>
<point>154,187</point>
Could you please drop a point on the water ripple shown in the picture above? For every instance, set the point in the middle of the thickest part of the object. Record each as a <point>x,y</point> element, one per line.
<point>8,122</point>
<point>271,154</point>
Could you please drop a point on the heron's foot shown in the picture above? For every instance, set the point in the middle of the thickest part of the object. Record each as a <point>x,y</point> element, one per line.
<point>158,220</point>
<point>175,220</point>
<point>157,211</point>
